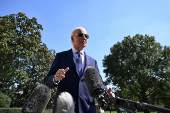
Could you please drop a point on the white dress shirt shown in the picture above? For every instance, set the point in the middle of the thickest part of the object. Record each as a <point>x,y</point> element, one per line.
<point>75,55</point>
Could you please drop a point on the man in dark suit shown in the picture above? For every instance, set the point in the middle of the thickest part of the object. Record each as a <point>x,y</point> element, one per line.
<point>66,73</point>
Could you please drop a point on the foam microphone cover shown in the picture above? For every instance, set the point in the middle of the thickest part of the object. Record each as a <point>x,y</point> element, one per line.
<point>94,81</point>
<point>65,103</point>
<point>38,100</point>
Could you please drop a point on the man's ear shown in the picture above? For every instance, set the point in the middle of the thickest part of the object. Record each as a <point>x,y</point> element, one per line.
<point>72,39</point>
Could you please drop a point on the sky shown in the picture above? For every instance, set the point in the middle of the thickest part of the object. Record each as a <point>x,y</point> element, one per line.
<point>106,21</point>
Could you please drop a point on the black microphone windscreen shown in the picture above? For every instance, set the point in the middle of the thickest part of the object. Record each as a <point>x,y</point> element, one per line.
<point>94,81</point>
<point>38,100</point>
<point>65,103</point>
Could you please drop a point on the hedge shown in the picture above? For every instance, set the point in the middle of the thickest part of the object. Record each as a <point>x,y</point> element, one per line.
<point>5,100</point>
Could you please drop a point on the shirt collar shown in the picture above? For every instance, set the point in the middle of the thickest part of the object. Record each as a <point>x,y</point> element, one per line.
<point>75,50</point>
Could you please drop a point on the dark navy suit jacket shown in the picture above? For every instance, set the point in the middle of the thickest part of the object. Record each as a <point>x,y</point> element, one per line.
<point>72,83</point>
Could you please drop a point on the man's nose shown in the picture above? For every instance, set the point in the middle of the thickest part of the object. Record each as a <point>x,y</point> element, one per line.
<point>83,37</point>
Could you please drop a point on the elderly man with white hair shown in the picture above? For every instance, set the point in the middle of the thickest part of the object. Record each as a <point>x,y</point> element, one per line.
<point>67,73</point>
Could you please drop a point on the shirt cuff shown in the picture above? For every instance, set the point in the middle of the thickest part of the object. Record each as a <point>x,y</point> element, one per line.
<point>56,83</point>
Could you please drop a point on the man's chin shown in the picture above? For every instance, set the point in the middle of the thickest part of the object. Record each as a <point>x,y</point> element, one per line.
<point>84,46</point>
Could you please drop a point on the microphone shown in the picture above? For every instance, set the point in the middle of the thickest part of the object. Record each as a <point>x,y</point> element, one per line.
<point>65,103</point>
<point>38,100</point>
<point>96,87</point>
<point>94,81</point>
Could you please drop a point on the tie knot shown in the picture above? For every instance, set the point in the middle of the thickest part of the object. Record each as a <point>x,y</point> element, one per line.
<point>78,52</point>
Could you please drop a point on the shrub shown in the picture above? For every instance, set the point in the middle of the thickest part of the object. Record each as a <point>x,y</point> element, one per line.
<point>5,100</point>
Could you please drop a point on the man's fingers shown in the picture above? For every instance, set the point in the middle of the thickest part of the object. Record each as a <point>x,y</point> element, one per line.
<point>109,90</point>
<point>60,74</point>
<point>61,71</point>
<point>66,69</point>
<point>60,77</point>
<point>110,93</point>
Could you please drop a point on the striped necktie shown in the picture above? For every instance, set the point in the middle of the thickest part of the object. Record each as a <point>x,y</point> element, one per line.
<point>79,63</point>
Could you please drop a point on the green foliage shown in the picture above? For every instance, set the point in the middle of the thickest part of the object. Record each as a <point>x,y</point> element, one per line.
<point>51,101</point>
<point>25,60</point>
<point>139,67</point>
<point>10,110</point>
<point>5,101</point>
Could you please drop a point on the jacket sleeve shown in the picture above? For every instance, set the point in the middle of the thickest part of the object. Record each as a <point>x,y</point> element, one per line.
<point>48,80</point>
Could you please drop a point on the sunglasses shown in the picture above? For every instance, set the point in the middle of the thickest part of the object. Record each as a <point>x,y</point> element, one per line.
<point>81,34</point>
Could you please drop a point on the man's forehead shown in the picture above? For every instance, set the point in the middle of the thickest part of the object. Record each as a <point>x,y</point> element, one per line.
<point>81,30</point>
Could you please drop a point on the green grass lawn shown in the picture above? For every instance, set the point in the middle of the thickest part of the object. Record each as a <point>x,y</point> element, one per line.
<point>17,110</point>
<point>47,111</point>
<point>50,111</point>
<point>116,112</point>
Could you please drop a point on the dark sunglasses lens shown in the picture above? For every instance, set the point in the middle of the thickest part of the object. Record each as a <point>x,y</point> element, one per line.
<point>81,34</point>
<point>87,36</point>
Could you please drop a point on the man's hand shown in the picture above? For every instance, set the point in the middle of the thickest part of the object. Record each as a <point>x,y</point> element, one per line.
<point>60,74</point>
<point>110,93</point>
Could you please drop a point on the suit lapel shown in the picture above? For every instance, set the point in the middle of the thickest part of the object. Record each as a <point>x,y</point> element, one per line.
<point>70,57</point>
<point>87,60</point>
<point>87,63</point>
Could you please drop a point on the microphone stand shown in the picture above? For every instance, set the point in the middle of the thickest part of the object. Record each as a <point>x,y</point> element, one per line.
<point>133,105</point>
<point>104,100</point>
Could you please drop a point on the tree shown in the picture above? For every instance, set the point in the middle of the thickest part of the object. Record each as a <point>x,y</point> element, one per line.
<point>139,67</point>
<point>25,60</point>
<point>36,70</point>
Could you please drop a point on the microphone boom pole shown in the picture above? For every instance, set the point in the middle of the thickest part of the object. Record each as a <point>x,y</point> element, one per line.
<point>133,105</point>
